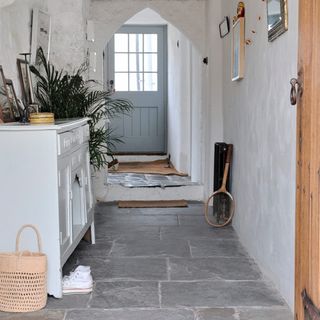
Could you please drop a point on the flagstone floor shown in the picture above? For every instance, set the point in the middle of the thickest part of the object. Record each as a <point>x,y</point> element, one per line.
<point>165,264</point>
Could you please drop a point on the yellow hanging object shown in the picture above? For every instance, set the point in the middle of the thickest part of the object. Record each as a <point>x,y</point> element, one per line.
<point>241,10</point>
<point>41,118</point>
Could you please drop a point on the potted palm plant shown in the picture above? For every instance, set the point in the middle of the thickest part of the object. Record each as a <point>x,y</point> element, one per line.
<point>71,96</point>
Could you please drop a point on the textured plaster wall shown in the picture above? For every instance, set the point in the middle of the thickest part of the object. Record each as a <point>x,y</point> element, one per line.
<point>185,105</point>
<point>260,122</point>
<point>68,37</point>
<point>212,124</point>
<point>179,99</point>
<point>15,33</point>
<point>68,45</point>
<point>110,15</point>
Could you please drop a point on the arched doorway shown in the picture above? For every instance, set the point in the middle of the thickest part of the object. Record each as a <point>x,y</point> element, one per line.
<point>185,75</point>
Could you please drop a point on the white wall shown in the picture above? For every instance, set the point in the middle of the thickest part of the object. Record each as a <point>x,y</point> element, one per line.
<point>68,46</point>
<point>185,104</point>
<point>147,16</point>
<point>179,99</point>
<point>15,32</point>
<point>212,124</point>
<point>260,122</point>
<point>68,36</point>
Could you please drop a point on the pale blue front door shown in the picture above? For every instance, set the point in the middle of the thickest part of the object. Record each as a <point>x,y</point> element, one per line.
<point>137,62</point>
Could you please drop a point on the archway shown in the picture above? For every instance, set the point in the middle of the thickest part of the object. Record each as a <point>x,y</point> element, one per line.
<point>185,71</point>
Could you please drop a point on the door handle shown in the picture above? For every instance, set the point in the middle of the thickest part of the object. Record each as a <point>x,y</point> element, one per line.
<point>110,85</point>
<point>296,91</point>
<point>311,311</point>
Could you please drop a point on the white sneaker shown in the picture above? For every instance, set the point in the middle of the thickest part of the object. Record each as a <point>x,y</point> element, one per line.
<point>78,282</point>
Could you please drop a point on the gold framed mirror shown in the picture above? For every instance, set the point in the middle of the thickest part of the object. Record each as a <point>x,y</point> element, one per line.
<point>277,14</point>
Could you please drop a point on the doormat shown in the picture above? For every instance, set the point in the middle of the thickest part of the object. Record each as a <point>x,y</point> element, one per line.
<point>153,204</point>
<point>151,167</point>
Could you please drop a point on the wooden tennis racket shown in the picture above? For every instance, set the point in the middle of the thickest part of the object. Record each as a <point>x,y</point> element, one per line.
<point>222,201</point>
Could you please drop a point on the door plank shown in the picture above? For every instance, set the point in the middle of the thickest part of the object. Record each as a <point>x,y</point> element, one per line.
<point>308,158</point>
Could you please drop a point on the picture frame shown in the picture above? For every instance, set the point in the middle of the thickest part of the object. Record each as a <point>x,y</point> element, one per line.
<point>224,27</point>
<point>25,81</point>
<point>6,114</point>
<point>238,49</point>
<point>277,18</point>
<point>13,100</point>
<point>40,34</point>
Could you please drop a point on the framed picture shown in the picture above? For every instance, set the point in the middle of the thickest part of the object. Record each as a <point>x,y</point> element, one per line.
<point>13,99</point>
<point>25,81</point>
<point>224,27</point>
<point>41,34</point>
<point>238,50</point>
<point>277,13</point>
<point>6,114</point>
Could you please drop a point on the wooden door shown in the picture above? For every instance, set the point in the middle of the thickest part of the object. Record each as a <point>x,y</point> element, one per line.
<point>137,67</point>
<point>308,160</point>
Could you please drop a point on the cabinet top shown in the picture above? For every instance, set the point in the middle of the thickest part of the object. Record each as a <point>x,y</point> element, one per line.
<point>59,125</point>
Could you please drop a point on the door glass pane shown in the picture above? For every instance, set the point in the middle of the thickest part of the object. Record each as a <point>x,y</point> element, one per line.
<point>121,42</point>
<point>136,62</point>
<point>135,42</point>
<point>150,43</point>
<point>150,62</point>
<point>120,62</point>
<point>121,81</point>
<point>150,82</point>
<point>136,81</point>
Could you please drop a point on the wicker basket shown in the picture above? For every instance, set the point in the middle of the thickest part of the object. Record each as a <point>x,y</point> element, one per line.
<point>23,278</point>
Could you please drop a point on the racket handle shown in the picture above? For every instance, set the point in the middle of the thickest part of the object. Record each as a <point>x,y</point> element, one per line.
<point>229,153</point>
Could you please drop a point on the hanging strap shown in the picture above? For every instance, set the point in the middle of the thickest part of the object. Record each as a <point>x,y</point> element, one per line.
<point>35,230</point>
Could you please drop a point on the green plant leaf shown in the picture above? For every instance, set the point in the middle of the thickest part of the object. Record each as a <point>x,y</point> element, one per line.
<point>71,96</point>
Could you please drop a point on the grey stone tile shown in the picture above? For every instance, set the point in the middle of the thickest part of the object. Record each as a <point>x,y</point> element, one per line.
<point>38,315</point>
<point>69,302</point>
<point>190,210</point>
<point>139,220</point>
<point>125,294</point>
<point>101,212</point>
<point>266,314</point>
<point>213,269</point>
<point>125,268</point>
<point>154,314</point>
<point>151,248</point>
<point>191,220</point>
<point>216,314</point>
<point>197,232</point>
<point>218,294</point>
<point>127,232</point>
<point>100,249</point>
<point>222,248</point>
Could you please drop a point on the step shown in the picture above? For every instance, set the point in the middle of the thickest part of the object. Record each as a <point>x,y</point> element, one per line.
<point>140,158</point>
<point>118,192</point>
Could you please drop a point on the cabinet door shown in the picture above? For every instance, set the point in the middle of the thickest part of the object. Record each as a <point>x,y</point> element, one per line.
<point>87,178</point>
<point>64,205</point>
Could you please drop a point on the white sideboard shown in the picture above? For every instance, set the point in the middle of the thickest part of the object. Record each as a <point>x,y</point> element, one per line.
<point>45,180</point>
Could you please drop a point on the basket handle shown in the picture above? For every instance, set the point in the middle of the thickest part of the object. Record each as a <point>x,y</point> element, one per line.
<point>35,230</point>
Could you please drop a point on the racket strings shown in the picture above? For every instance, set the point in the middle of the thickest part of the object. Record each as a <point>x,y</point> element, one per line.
<point>222,209</point>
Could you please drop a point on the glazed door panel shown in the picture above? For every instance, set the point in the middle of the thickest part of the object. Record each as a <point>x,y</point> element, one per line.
<point>137,71</point>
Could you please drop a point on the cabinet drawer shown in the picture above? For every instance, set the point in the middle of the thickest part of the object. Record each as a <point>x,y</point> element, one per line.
<point>69,140</point>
